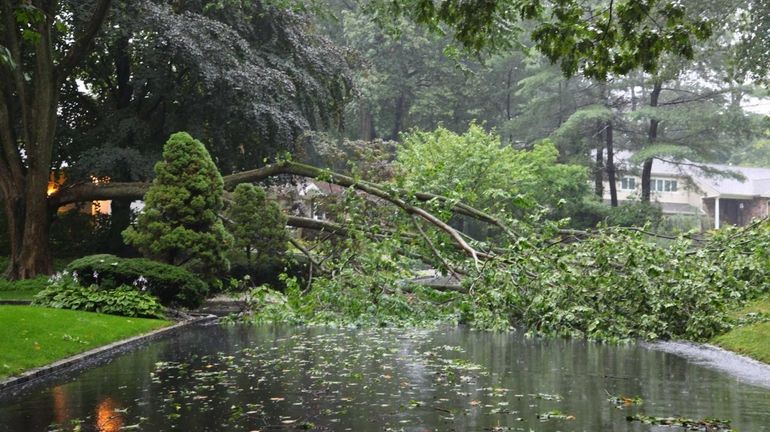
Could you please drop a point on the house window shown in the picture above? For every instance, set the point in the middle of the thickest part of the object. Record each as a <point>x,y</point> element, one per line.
<point>660,185</point>
<point>628,183</point>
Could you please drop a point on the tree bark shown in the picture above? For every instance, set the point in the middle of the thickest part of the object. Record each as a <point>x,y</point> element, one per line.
<point>599,167</point>
<point>399,112</point>
<point>610,167</point>
<point>34,257</point>
<point>13,207</point>
<point>29,95</point>
<point>120,209</point>
<point>652,136</point>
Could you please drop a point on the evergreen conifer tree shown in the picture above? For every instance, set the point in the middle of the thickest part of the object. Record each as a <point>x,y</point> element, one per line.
<point>180,223</point>
<point>259,226</point>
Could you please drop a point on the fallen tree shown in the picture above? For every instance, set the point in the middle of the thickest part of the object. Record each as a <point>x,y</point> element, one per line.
<point>93,192</point>
<point>608,283</point>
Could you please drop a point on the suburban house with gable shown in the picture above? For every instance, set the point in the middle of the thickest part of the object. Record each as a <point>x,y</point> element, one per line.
<point>684,189</point>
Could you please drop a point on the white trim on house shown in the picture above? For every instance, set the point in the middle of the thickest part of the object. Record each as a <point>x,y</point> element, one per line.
<point>689,187</point>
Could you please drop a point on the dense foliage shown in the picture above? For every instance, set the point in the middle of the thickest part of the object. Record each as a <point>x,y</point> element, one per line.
<point>258,225</point>
<point>615,38</point>
<point>172,285</point>
<point>180,223</point>
<point>66,292</point>
<point>620,284</point>
<point>609,284</point>
<point>273,74</point>
<point>33,285</point>
<point>478,169</point>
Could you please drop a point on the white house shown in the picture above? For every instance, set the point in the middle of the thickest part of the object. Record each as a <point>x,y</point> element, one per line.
<point>684,189</point>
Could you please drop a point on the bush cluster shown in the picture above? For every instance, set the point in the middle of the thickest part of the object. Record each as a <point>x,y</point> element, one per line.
<point>614,284</point>
<point>180,224</point>
<point>259,226</point>
<point>64,292</point>
<point>173,286</point>
<point>35,284</point>
<point>619,284</point>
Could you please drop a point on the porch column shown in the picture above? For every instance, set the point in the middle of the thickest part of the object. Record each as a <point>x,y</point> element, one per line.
<point>716,213</point>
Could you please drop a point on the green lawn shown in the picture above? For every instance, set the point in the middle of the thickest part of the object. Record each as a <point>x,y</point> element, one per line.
<point>21,290</point>
<point>33,336</point>
<point>752,340</point>
<point>17,295</point>
<point>26,289</point>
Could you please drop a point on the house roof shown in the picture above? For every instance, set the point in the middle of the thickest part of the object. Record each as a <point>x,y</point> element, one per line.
<point>679,208</point>
<point>314,188</point>
<point>756,180</point>
<point>671,208</point>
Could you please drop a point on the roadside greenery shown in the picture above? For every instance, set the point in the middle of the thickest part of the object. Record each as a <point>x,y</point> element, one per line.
<point>180,223</point>
<point>22,289</point>
<point>173,286</point>
<point>751,335</point>
<point>65,292</point>
<point>258,226</point>
<point>34,336</point>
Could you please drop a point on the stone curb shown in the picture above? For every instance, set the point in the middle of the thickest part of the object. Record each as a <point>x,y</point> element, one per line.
<point>73,363</point>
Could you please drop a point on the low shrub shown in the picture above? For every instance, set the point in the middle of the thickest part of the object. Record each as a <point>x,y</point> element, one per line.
<point>268,271</point>
<point>65,293</point>
<point>22,289</point>
<point>593,212</point>
<point>173,286</point>
<point>35,284</point>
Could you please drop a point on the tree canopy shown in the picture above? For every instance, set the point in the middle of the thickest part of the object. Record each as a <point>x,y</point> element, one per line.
<point>97,86</point>
<point>476,168</point>
<point>596,38</point>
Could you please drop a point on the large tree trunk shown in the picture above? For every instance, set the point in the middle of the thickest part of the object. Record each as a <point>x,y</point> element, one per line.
<point>29,93</point>
<point>652,136</point>
<point>599,168</point>
<point>13,207</point>
<point>120,209</point>
<point>35,257</point>
<point>28,219</point>
<point>399,113</point>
